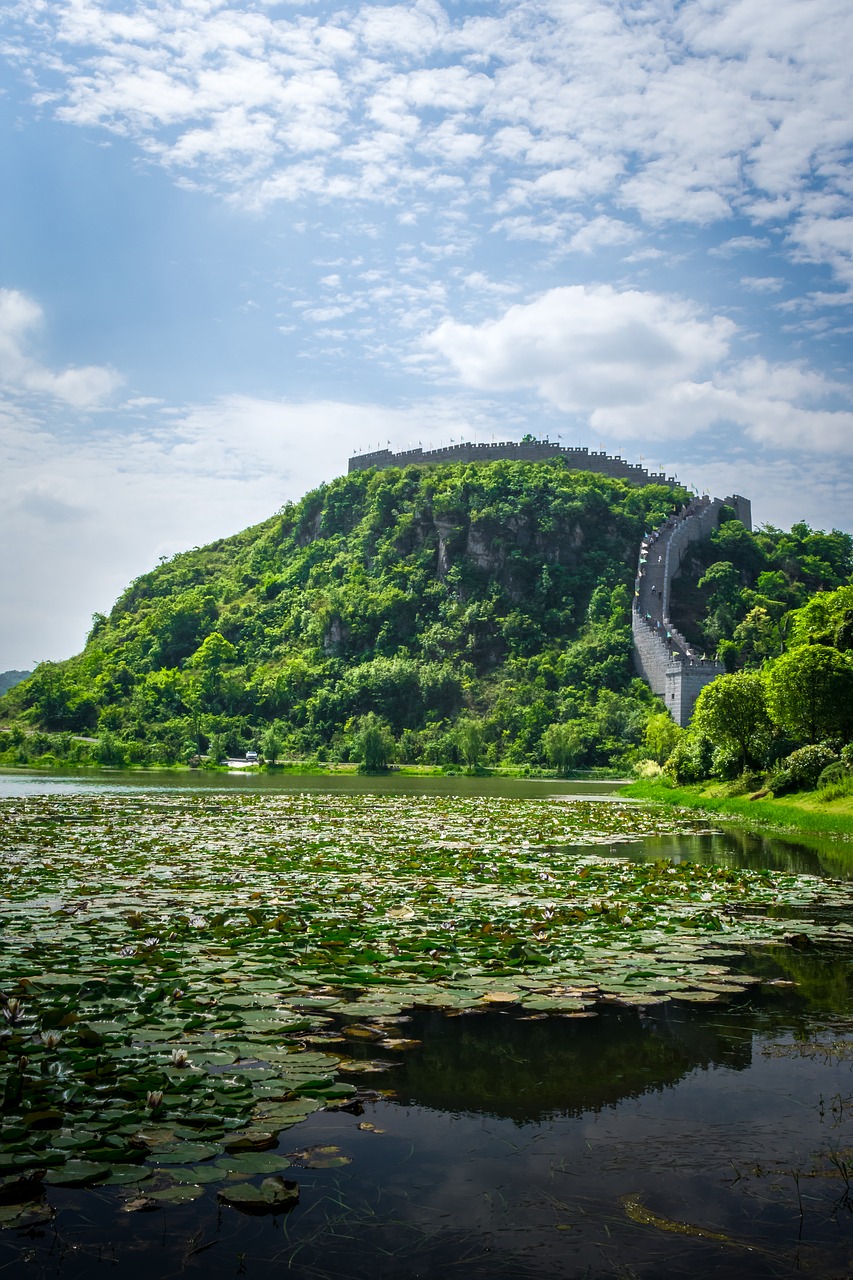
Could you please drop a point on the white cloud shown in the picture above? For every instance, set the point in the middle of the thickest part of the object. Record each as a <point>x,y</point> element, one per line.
<point>644,365</point>
<point>740,244</point>
<point>85,387</point>
<point>687,114</point>
<point>762,284</point>
<point>583,347</point>
<point>602,232</point>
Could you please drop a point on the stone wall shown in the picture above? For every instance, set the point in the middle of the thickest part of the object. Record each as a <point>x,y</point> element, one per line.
<point>662,656</point>
<point>521,451</point>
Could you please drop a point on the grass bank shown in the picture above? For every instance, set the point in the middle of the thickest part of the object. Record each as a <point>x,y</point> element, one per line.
<point>804,813</point>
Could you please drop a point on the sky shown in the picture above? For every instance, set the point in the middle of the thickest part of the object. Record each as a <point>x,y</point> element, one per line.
<point>241,240</point>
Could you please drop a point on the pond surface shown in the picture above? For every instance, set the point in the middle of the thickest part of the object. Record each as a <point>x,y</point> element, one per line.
<point>20,782</point>
<point>485,1035</point>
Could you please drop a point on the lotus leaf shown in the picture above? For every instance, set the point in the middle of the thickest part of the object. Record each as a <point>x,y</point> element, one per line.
<point>176,1195</point>
<point>186,1153</point>
<point>78,1173</point>
<point>274,1195</point>
<point>252,1162</point>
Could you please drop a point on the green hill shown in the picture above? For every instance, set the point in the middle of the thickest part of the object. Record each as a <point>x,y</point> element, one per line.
<point>8,679</point>
<point>430,596</point>
<point>478,612</point>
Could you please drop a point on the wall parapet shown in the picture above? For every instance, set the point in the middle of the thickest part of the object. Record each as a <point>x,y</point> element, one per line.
<point>662,656</point>
<point>521,451</point>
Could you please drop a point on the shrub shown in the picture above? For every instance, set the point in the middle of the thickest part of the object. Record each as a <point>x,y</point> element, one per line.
<point>801,770</point>
<point>373,744</point>
<point>691,759</point>
<point>647,769</point>
<point>835,772</point>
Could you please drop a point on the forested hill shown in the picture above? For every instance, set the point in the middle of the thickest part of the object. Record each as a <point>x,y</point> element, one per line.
<point>8,679</point>
<point>497,593</point>
<point>474,611</point>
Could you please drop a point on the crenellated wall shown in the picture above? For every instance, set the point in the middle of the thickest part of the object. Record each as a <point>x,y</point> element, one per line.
<point>662,656</point>
<point>521,451</point>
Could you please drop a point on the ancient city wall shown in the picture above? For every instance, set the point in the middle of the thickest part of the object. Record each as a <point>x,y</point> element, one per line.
<point>521,451</point>
<point>662,656</point>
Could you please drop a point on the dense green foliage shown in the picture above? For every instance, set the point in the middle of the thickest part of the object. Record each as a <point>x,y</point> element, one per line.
<point>787,724</point>
<point>737,592</point>
<point>8,679</point>
<point>468,608</point>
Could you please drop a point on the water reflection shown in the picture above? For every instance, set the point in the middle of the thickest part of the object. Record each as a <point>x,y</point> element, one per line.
<point>529,1070</point>
<point>755,851</point>
<point>20,783</point>
<point>521,1149</point>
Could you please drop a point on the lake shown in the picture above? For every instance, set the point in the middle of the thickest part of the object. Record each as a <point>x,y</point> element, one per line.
<point>487,1027</point>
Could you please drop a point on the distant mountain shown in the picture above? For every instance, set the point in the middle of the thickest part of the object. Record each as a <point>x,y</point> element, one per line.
<point>8,679</point>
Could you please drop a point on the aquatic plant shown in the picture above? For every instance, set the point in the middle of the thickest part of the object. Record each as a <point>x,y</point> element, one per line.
<point>172,963</point>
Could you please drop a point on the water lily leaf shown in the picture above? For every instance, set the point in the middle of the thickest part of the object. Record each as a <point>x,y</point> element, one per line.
<point>78,1173</point>
<point>177,1195</point>
<point>31,1214</point>
<point>249,1140</point>
<point>127,1174</point>
<point>252,1162</point>
<point>274,1195</point>
<point>327,1157</point>
<point>197,1173</point>
<point>21,1187</point>
<point>186,1153</point>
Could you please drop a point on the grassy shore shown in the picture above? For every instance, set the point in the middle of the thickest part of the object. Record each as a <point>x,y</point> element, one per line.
<point>53,764</point>
<point>804,813</point>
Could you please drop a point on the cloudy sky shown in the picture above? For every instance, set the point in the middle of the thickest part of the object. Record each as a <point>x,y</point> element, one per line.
<point>242,239</point>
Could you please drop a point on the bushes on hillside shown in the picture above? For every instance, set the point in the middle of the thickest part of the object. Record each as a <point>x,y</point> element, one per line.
<point>801,770</point>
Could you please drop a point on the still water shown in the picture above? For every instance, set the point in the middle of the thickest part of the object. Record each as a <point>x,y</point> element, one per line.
<point>21,783</point>
<point>660,1141</point>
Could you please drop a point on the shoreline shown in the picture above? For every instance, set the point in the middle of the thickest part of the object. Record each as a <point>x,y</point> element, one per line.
<point>319,769</point>
<point>800,814</point>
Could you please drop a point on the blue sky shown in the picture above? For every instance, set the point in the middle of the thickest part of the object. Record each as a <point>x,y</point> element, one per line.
<point>241,239</point>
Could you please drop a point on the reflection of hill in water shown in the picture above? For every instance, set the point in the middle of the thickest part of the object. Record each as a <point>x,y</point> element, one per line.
<point>752,850</point>
<point>527,1070</point>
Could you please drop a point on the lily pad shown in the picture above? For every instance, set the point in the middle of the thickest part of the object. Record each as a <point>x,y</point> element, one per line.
<point>19,1188</point>
<point>177,1195</point>
<point>328,1157</point>
<point>274,1195</point>
<point>78,1173</point>
<point>127,1174</point>
<point>30,1214</point>
<point>186,1153</point>
<point>251,1163</point>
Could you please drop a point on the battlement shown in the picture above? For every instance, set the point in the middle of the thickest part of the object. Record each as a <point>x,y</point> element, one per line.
<point>518,451</point>
<point>662,656</point>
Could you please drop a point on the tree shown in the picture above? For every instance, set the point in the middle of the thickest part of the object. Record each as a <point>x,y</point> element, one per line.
<point>108,751</point>
<point>217,748</point>
<point>563,745</point>
<point>661,735</point>
<point>723,582</point>
<point>469,741</point>
<point>374,744</point>
<point>732,712</point>
<point>271,746</point>
<point>810,692</point>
